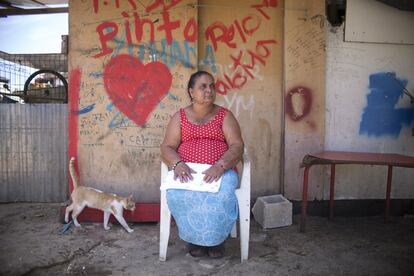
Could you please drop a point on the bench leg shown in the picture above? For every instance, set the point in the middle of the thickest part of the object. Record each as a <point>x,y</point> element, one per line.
<point>304,200</point>
<point>332,192</point>
<point>388,195</point>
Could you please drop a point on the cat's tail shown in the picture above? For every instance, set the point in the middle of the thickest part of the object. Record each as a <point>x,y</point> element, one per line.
<point>73,174</point>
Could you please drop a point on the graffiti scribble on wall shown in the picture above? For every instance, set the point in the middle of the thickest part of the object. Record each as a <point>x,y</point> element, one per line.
<point>380,116</point>
<point>131,30</point>
<point>155,41</point>
<point>134,88</point>
<point>298,102</point>
<point>244,61</point>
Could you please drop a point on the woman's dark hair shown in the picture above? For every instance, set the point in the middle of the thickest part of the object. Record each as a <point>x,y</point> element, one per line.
<point>193,79</point>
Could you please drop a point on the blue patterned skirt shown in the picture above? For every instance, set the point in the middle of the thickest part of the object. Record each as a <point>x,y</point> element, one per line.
<point>205,218</point>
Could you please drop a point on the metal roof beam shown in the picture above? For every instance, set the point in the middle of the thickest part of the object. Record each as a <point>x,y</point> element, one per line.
<point>9,5</point>
<point>10,12</point>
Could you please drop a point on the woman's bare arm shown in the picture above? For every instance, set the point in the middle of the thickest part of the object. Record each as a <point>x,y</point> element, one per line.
<point>233,137</point>
<point>171,141</point>
<point>169,148</point>
<point>233,155</point>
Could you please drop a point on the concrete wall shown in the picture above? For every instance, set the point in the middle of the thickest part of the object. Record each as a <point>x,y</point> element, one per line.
<point>249,75</point>
<point>367,111</point>
<point>304,52</point>
<point>289,78</point>
<point>362,107</point>
<point>117,122</point>
<point>128,70</point>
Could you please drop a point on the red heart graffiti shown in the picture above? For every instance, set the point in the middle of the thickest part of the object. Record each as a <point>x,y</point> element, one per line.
<point>136,89</point>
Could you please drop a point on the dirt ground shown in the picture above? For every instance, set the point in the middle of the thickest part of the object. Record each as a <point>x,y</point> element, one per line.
<point>31,244</point>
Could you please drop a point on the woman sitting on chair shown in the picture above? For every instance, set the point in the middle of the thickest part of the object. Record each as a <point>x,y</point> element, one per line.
<point>206,133</point>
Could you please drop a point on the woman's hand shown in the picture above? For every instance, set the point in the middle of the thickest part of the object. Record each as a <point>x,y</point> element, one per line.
<point>183,172</point>
<point>213,173</point>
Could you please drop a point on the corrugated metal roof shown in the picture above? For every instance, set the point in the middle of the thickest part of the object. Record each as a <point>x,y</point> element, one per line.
<point>26,7</point>
<point>35,3</point>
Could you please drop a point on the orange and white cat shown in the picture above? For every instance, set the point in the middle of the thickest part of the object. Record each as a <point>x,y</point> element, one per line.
<point>89,197</point>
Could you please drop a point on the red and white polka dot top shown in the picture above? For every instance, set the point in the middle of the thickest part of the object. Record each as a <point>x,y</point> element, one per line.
<point>202,143</point>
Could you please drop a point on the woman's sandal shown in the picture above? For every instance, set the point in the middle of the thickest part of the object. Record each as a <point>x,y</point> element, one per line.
<point>216,252</point>
<point>196,250</point>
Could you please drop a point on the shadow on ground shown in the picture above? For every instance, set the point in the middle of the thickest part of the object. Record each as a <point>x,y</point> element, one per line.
<point>31,244</point>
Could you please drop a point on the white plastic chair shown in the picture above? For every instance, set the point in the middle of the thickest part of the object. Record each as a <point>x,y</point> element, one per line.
<point>243,198</point>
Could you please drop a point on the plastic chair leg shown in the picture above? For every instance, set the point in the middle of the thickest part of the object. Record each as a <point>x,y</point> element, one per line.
<point>244,217</point>
<point>165,223</point>
<point>244,239</point>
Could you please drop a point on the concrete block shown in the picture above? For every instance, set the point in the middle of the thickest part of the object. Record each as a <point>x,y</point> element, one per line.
<point>273,211</point>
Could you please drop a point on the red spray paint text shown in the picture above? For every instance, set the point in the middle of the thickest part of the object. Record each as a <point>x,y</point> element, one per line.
<point>108,30</point>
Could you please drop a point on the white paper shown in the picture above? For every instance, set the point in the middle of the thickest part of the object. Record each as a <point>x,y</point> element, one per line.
<point>197,184</point>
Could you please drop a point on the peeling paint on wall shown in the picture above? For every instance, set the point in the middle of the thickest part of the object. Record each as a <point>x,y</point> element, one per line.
<point>380,116</point>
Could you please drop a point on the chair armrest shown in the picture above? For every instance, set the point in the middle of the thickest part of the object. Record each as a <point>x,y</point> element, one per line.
<point>164,170</point>
<point>245,177</point>
<point>245,159</point>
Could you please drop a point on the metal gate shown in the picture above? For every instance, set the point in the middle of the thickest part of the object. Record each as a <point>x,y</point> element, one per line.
<point>33,128</point>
